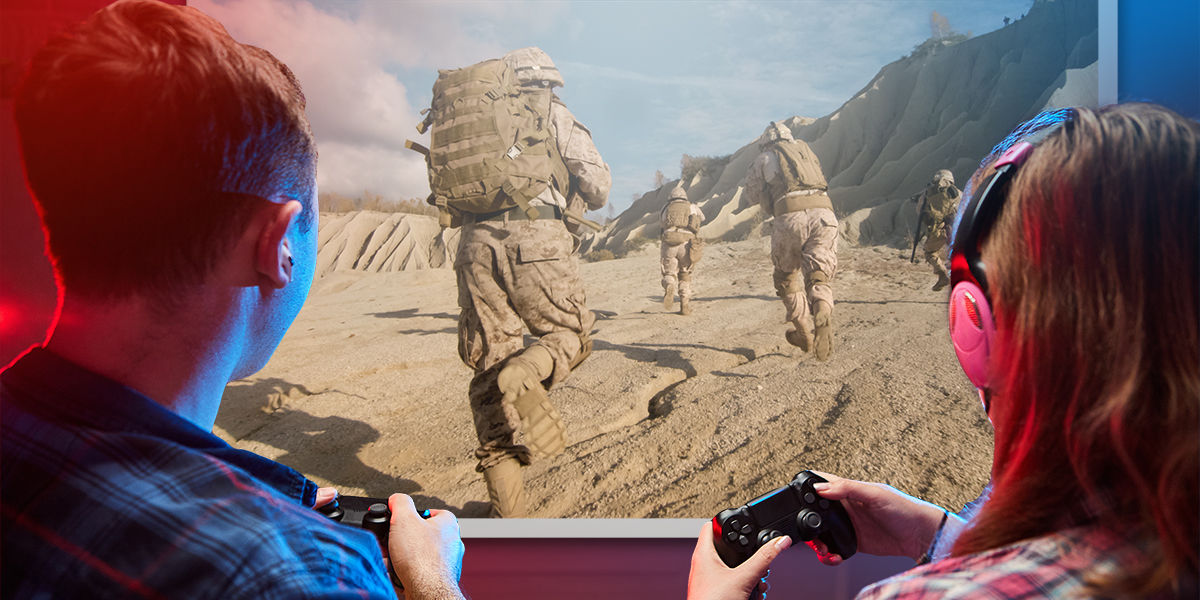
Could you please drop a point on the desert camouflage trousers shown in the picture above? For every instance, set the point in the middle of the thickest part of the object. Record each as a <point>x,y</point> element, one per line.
<point>677,268</point>
<point>802,242</point>
<point>936,251</point>
<point>511,276</point>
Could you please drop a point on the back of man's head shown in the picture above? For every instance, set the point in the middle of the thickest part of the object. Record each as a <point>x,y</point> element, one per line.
<point>143,133</point>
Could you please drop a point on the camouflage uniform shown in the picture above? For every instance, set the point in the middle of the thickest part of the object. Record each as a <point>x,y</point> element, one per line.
<point>514,272</point>
<point>940,201</point>
<point>676,258</point>
<point>803,237</point>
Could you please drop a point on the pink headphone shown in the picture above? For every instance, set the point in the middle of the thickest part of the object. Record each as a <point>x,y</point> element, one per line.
<point>972,328</point>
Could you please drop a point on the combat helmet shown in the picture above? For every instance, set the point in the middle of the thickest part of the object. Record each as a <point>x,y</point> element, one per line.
<point>534,67</point>
<point>943,174</point>
<point>677,193</point>
<point>775,132</point>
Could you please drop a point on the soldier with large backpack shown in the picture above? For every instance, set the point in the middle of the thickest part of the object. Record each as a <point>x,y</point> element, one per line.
<point>679,222</point>
<point>787,182</point>
<point>509,162</point>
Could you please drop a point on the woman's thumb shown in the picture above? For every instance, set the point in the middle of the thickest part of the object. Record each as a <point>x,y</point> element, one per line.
<point>765,554</point>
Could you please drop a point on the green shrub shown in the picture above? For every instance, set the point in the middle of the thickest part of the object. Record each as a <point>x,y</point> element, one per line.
<point>599,255</point>
<point>337,203</point>
<point>632,245</point>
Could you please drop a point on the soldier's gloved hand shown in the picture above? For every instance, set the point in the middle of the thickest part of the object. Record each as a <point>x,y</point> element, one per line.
<point>515,379</point>
<point>524,371</point>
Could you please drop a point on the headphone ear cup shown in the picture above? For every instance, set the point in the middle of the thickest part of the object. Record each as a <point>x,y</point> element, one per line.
<point>972,330</point>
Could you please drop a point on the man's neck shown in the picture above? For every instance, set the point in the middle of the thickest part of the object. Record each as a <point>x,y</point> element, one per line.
<point>180,361</point>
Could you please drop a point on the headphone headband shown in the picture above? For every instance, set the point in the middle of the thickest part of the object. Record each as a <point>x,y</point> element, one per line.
<point>972,327</point>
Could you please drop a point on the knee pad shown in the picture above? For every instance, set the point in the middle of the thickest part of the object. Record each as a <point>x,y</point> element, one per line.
<point>786,283</point>
<point>816,277</point>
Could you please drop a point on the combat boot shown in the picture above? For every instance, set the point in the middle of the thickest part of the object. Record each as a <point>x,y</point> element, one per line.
<point>521,383</point>
<point>506,491</point>
<point>684,308</point>
<point>942,282</point>
<point>669,297</point>
<point>823,325</point>
<point>800,337</point>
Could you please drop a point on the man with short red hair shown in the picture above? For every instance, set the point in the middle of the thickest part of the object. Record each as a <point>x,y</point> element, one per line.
<point>175,174</point>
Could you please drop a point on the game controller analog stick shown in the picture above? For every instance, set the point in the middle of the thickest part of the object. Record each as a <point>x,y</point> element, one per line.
<point>794,510</point>
<point>767,535</point>
<point>809,523</point>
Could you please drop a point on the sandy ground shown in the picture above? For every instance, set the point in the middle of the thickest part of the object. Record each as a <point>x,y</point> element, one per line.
<point>671,416</point>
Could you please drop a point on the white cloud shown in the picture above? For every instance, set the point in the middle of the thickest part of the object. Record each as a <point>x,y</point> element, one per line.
<point>351,169</point>
<point>359,112</point>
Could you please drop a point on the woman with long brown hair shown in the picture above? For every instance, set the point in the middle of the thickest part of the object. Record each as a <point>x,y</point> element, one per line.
<point>1076,272</point>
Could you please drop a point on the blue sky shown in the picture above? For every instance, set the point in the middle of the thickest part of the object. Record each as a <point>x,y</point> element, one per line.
<point>652,79</point>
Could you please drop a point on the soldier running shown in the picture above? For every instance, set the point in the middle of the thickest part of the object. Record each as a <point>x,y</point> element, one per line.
<point>680,222</point>
<point>938,207</point>
<point>516,266</point>
<point>786,180</point>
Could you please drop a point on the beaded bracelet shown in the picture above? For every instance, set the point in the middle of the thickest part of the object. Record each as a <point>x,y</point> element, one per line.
<point>925,558</point>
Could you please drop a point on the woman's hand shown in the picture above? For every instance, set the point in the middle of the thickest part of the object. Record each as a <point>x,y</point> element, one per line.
<point>711,579</point>
<point>887,522</point>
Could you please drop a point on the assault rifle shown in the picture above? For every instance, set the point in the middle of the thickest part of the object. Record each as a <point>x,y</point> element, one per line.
<point>917,235</point>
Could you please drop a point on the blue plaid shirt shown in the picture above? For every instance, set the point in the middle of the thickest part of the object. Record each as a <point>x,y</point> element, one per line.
<point>107,494</point>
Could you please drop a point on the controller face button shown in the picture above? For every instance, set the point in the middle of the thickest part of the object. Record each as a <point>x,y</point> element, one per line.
<point>810,498</point>
<point>824,504</point>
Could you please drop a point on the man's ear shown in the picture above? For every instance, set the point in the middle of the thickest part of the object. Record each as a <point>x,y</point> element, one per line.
<point>273,253</point>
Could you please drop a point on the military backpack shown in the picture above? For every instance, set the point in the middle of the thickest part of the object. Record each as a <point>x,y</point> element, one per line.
<point>678,213</point>
<point>490,142</point>
<point>800,169</point>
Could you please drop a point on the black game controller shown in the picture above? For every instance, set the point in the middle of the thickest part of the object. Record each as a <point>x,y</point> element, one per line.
<point>371,514</point>
<point>793,510</point>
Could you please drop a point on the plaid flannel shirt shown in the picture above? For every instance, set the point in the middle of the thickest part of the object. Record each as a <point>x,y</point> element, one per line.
<point>107,494</point>
<point>1050,566</point>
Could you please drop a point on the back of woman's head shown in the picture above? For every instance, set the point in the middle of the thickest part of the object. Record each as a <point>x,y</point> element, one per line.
<point>1094,277</point>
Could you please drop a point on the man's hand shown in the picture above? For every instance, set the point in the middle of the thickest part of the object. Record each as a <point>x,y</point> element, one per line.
<point>887,521</point>
<point>325,495</point>
<point>711,579</point>
<point>427,554</point>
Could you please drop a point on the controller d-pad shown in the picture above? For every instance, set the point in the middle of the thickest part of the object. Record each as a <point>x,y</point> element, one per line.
<point>732,536</point>
<point>745,528</point>
<point>743,540</point>
<point>734,523</point>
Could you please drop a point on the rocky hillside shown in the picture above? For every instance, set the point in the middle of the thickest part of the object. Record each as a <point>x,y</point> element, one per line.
<point>942,107</point>
<point>382,242</point>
